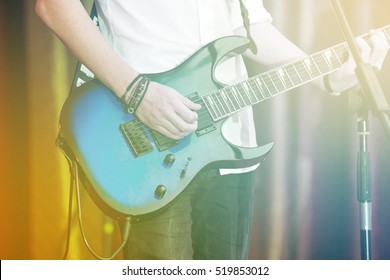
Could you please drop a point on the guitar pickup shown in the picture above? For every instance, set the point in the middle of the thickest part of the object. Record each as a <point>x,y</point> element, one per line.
<point>162,141</point>
<point>136,137</point>
<point>205,122</point>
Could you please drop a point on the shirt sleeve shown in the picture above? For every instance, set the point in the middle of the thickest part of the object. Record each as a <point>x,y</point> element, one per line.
<point>256,12</point>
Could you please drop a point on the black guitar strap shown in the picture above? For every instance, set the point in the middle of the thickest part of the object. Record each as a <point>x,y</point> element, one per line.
<point>81,76</point>
<point>245,18</point>
<point>82,73</point>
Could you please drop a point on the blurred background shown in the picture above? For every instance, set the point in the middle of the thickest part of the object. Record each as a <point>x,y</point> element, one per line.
<point>306,203</point>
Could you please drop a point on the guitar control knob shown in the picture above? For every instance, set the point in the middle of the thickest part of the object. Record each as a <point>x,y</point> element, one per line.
<point>160,191</point>
<point>169,159</point>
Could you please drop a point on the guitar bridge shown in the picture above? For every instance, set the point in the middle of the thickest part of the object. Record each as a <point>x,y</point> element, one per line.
<point>136,137</point>
<point>138,140</point>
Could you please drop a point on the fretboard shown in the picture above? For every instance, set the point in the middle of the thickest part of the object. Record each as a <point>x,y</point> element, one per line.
<point>231,99</point>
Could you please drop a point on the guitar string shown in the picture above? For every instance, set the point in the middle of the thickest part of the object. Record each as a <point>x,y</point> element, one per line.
<point>321,62</point>
<point>275,81</point>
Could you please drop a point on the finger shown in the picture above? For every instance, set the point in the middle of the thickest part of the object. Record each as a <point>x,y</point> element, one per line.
<point>191,105</point>
<point>379,48</point>
<point>167,133</point>
<point>379,39</point>
<point>182,126</point>
<point>177,125</point>
<point>184,109</point>
<point>161,123</point>
<point>170,130</point>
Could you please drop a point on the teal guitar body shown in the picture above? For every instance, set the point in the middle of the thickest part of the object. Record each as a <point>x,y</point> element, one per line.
<point>132,171</point>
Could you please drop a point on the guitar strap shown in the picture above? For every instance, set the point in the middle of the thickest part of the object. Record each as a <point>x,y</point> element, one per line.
<point>245,18</point>
<point>83,74</point>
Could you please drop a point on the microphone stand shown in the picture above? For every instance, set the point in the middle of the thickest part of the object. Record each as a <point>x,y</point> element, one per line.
<point>377,102</point>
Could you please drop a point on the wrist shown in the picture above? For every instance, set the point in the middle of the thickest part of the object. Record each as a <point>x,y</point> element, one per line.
<point>134,94</point>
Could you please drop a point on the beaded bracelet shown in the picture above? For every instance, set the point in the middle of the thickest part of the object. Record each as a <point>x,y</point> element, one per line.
<point>137,94</point>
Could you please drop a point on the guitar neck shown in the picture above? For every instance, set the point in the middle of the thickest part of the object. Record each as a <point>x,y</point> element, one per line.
<point>231,99</point>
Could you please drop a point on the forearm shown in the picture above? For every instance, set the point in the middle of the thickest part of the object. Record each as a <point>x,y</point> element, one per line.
<point>275,49</point>
<point>73,26</point>
<point>162,108</point>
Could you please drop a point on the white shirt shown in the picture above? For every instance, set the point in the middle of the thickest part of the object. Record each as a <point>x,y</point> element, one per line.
<point>153,36</point>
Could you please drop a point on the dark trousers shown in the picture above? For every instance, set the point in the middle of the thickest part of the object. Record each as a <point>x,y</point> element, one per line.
<point>210,219</point>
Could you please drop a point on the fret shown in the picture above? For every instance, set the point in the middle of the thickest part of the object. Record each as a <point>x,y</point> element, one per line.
<point>243,94</point>
<point>318,62</point>
<point>333,61</point>
<point>223,108</point>
<point>292,74</point>
<point>233,98</point>
<point>215,98</point>
<point>277,81</point>
<point>289,83</point>
<point>228,102</point>
<point>268,83</point>
<point>215,102</point>
<point>248,93</point>
<point>337,62</point>
<point>297,72</point>
<point>265,91</point>
<point>251,94</point>
<point>259,91</point>
<point>325,56</point>
<point>208,101</point>
<point>341,52</point>
<point>322,65</point>
<point>315,71</point>
<point>238,96</point>
<point>282,76</point>
<point>302,72</point>
<point>307,64</point>
<point>274,87</point>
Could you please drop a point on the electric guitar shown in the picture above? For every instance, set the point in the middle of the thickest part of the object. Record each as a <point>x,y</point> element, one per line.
<point>133,171</point>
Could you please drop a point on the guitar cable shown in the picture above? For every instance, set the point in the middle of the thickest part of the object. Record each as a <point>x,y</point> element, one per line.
<point>74,182</point>
<point>70,206</point>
